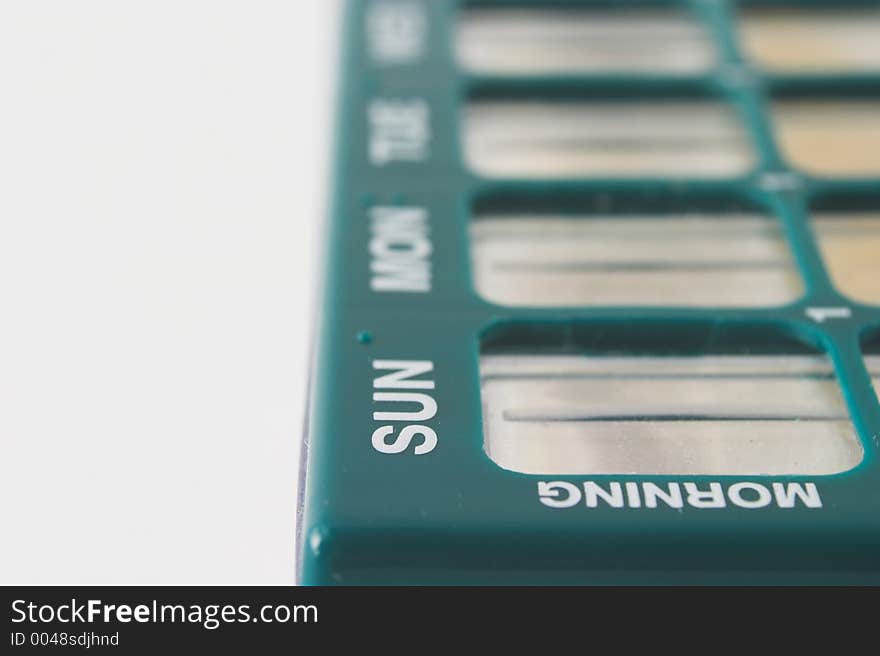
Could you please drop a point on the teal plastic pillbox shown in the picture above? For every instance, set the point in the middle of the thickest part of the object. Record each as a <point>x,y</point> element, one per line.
<point>601,299</point>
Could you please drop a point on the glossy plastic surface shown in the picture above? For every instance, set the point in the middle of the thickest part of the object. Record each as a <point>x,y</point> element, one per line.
<point>448,514</point>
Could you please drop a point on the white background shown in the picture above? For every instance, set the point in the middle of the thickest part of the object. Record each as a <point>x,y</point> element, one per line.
<point>162,189</point>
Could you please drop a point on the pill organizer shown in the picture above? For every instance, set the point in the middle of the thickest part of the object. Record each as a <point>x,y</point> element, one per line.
<point>601,297</point>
